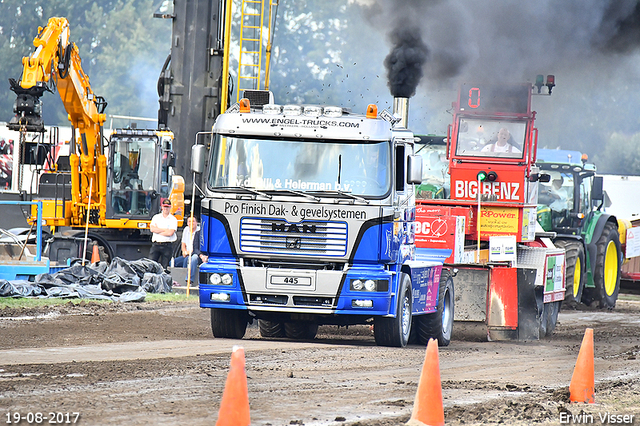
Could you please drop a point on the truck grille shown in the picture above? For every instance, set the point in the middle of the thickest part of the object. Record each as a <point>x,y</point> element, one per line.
<point>277,236</point>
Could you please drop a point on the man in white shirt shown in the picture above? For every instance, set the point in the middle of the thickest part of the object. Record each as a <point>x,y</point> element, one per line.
<point>164,226</point>
<point>504,143</point>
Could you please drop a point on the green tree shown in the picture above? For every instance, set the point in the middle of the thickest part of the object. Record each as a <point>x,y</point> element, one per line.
<point>621,155</point>
<point>121,46</point>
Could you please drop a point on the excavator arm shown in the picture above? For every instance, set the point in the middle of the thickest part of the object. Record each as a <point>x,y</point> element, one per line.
<point>55,65</point>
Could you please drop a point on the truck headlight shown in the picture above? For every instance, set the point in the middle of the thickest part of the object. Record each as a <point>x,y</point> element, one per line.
<point>369,285</point>
<point>220,279</point>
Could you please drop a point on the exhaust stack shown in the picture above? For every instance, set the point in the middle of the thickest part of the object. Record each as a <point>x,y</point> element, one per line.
<point>401,109</point>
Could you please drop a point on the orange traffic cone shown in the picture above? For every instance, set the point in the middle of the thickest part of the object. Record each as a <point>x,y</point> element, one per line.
<point>95,255</point>
<point>582,387</point>
<point>234,407</point>
<point>427,408</point>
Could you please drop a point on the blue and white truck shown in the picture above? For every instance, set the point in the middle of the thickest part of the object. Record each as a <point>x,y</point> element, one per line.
<point>308,219</point>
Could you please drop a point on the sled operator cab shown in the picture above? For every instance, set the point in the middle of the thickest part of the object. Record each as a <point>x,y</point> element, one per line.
<point>477,205</point>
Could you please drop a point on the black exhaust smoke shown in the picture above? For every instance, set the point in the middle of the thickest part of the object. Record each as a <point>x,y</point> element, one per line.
<point>405,62</point>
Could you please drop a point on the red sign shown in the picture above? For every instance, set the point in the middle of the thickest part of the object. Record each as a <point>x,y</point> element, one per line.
<point>509,186</point>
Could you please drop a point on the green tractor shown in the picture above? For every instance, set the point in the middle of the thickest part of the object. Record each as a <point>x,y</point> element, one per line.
<point>570,205</point>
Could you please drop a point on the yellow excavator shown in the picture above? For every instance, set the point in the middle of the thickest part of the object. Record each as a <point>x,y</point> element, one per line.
<point>103,191</point>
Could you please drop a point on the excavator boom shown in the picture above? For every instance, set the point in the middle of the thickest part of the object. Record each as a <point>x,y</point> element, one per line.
<point>115,198</point>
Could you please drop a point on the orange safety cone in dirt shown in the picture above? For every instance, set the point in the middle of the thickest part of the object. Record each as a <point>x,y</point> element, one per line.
<point>234,407</point>
<point>95,255</point>
<point>427,408</point>
<point>582,387</point>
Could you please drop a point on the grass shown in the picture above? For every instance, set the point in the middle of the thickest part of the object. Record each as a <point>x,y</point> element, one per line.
<point>632,297</point>
<point>29,302</point>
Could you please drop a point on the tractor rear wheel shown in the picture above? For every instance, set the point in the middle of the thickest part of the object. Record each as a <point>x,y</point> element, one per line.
<point>574,276</point>
<point>607,269</point>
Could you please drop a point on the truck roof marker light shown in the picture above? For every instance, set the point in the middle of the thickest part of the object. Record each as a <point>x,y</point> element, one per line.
<point>539,82</point>
<point>245,105</point>
<point>271,109</point>
<point>551,82</point>
<point>292,110</point>
<point>372,111</point>
<point>333,111</point>
<point>312,111</point>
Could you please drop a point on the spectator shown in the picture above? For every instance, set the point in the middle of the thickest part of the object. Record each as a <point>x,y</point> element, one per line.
<point>190,247</point>
<point>163,226</point>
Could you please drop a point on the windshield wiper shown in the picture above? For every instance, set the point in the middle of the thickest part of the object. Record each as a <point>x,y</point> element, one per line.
<point>303,194</point>
<point>246,189</point>
<point>347,194</point>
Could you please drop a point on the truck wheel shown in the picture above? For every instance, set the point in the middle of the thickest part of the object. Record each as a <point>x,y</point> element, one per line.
<point>549,318</point>
<point>607,269</point>
<point>395,331</point>
<point>271,328</point>
<point>228,323</point>
<point>301,330</point>
<point>574,275</point>
<point>439,325</point>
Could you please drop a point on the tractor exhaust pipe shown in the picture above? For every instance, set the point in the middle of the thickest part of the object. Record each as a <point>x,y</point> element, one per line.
<point>401,109</point>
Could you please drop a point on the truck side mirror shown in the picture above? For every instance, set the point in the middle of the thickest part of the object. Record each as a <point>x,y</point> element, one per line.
<point>414,169</point>
<point>198,157</point>
<point>597,191</point>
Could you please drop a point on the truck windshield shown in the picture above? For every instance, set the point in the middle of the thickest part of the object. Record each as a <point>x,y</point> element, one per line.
<point>490,138</point>
<point>301,165</point>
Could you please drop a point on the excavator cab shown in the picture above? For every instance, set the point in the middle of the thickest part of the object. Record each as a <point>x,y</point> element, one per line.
<point>138,177</point>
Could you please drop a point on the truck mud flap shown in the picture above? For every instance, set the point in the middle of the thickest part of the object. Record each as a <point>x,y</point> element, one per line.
<point>471,294</point>
<point>509,322</point>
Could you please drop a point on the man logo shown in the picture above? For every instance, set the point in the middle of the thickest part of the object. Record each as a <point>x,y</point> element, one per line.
<point>293,228</point>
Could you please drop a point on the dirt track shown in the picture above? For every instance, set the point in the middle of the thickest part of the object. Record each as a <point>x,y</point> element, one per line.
<point>158,364</point>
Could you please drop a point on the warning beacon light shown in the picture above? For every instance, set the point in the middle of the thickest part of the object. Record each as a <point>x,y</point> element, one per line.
<point>551,82</point>
<point>539,82</point>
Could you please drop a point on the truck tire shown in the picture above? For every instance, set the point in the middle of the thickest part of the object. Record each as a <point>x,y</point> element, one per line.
<point>301,330</point>
<point>439,325</point>
<point>607,270</point>
<point>549,318</point>
<point>228,323</point>
<point>574,273</point>
<point>395,331</point>
<point>271,328</point>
